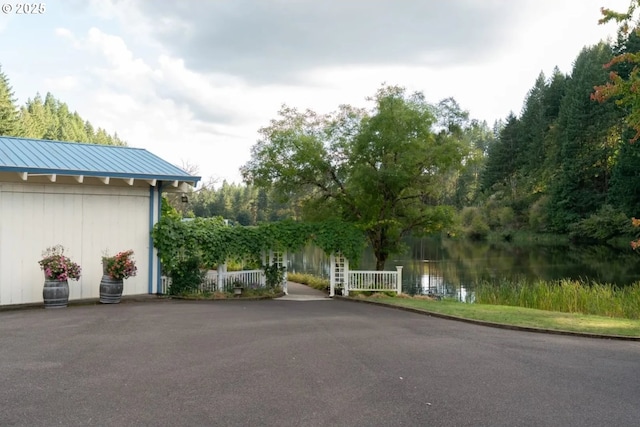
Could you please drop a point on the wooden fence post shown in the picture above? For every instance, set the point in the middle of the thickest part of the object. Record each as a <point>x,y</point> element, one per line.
<point>222,269</point>
<point>285,289</point>
<point>345,290</point>
<point>399,279</point>
<point>332,274</point>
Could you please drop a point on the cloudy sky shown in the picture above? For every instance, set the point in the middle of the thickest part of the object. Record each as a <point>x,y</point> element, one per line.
<point>193,81</point>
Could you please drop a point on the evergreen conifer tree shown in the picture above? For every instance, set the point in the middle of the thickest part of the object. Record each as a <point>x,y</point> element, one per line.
<point>9,118</point>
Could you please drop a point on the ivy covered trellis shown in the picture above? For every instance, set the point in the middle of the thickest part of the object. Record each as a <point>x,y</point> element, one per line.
<point>214,243</point>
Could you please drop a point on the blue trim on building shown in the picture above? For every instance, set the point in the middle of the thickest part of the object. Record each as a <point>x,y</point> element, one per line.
<point>151,222</point>
<point>159,266</point>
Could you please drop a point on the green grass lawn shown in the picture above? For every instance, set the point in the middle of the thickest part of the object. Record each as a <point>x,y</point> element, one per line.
<point>527,317</point>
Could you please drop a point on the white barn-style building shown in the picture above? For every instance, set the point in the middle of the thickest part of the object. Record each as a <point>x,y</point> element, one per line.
<point>90,199</point>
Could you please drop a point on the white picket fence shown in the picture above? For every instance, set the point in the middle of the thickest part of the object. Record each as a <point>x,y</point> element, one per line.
<point>375,281</point>
<point>341,277</point>
<point>225,281</point>
<point>215,281</point>
<point>165,282</point>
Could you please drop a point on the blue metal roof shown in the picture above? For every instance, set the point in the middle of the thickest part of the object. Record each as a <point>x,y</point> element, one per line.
<point>38,156</point>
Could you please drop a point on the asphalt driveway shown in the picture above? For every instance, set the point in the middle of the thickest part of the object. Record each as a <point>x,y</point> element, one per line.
<point>301,363</point>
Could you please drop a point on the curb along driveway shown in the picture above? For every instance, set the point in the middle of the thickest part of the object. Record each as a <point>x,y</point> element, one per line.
<point>301,363</point>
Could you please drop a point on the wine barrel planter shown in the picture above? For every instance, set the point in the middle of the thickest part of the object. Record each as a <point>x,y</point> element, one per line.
<point>110,290</point>
<point>55,293</point>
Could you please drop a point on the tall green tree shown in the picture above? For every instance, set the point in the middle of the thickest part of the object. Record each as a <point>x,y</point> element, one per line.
<point>539,145</point>
<point>377,168</point>
<point>590,133</point>
<point>625,177</point>
<point>552,100</point>
<point>452,122</point>
<point>500,171</point>
<point>478,137</point>
<point>52,120</point>
<point>9,119</point>
<point>34,118</point>
<point>533,128</point>
<point>622,87</point>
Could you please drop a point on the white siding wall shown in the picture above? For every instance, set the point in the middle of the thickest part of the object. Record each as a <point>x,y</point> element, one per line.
<point>86,220</point>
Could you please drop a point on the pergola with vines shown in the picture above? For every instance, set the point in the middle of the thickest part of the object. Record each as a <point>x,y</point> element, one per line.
<point>214,243</point>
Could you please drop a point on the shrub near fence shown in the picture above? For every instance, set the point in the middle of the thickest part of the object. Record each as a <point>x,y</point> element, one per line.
<point>569,296</point>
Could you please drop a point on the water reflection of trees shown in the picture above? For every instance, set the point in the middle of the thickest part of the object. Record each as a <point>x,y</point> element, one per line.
<point>310,260</point>
<point>483,261</point>
<point>452,267</point>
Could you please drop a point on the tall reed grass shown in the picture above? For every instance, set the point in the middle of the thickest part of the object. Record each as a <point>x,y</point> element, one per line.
<point>570,296</point>
<point>309,280</point>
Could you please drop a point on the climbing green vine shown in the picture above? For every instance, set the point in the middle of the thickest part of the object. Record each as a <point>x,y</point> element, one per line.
<point>214,242</point>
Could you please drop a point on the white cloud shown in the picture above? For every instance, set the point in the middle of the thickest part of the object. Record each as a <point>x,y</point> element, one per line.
<point>114,49</point>
<point>134,22</point>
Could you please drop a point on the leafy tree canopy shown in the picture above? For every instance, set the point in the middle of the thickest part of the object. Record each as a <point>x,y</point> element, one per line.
<point>622,86</point>
<point>8,109</point>
<point>624,77</point>
<point>381,168</point>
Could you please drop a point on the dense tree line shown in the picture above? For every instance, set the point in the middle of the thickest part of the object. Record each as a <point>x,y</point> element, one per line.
<point>567,163</point>
<point>46,119</point>
<point>240,204</point>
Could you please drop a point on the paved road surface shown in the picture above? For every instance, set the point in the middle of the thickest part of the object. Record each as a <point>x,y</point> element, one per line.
<point>301,363</point>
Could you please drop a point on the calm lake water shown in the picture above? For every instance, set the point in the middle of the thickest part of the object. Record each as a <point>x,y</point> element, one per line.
<point>452,267</point>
